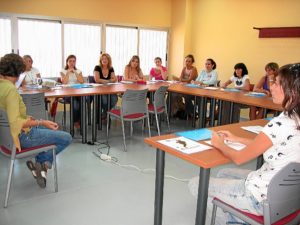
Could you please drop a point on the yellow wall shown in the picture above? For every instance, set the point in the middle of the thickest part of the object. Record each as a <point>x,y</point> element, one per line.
<point>155,13</point>
<point>223,30</point>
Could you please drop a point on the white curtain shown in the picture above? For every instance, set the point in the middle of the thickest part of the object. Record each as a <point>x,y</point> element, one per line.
<point>41,39</point>
<point>5,36</point>
<point>83,41</point>
<point>121,45</point>
<point>153,43</point>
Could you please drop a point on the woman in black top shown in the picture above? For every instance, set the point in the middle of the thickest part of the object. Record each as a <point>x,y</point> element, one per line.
<point>103,74</point>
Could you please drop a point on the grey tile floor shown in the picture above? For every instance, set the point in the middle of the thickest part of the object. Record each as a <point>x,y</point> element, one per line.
<point>94,192</point>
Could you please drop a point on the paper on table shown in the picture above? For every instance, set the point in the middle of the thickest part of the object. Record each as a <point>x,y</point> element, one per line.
<point>184,145</point>
<point>126,82</point>
<point>211,88</point>
<point>253,129</point>
<point>235,145</point>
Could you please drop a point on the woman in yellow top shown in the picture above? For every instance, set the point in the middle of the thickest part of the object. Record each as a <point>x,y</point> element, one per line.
<point>27,131</point>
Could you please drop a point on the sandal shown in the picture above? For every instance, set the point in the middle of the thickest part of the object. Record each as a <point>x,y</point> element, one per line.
<point>31,167</point>
<point>41,175</point>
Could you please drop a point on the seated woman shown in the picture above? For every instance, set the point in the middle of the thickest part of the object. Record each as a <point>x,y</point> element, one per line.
<point>278,141</point>
<point>263,86</point>
<point>189,73</point>
<point>209,75</point>
<point>133,71</point>
<point>71,75</point>
<point>26,131</point>
<point>240,78</point>
<point>241,81</point>
<point>31,73</point>
<point>158,72</point>
<point>104,73</point>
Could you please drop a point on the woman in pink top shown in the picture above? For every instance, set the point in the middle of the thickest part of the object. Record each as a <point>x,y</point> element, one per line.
<point>159,72</point>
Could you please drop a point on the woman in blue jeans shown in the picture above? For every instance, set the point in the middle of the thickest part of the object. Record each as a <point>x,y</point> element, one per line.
<point>27,131</point>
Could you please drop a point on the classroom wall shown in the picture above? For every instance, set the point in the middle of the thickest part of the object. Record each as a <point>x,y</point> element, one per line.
<point>223,30</point>
<point>154,13</point>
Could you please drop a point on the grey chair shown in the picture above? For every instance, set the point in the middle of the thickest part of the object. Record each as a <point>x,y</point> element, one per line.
<point>159,106</point>
<point>35,105</point>
<point>133,108</point>
<point>282,205</point>
<point>8,149</point>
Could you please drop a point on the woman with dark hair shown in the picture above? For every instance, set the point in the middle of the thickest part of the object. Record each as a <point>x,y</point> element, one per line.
<point>209,75</point>
<point>159,72</point>
<point>240,78</point>
<point>27,131</point>
<point>71,75</point>
<point>263,86</point>
<point>279,143</point>
<point>104,73</point>
<point>133,72</point>
<point>188,72</point>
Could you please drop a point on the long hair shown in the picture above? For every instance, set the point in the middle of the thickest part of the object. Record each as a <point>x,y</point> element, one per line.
<point>70,57</point>
<point>289,78</point>
<point>109,65</point>
<point>135,57</point>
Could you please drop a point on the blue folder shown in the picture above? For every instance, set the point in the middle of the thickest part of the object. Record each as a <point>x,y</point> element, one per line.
<point>232,90</point>
<point>81,86</point>
<point>256,94</point>
<point>196,135</point>
<point>193,85</point>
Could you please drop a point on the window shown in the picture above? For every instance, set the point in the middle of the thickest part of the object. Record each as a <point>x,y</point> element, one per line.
<point>5,37</point>
<point>41,39</point>
<point>121,45</point>
<point>83,41</point>
<point>153,43</point>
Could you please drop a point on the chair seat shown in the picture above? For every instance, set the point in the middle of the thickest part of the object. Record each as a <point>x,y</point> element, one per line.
<point>117,113</point>
<point>260,219</point>
<point>151,109</point>
<point>25,151</point>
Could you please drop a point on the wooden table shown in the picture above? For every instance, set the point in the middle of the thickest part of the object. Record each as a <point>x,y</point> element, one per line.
<point>94,91</point>
<point>205,160</point>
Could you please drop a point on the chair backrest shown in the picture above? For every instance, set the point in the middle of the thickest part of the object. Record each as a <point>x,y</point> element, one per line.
<point>159,97</point>
<point>6,141</point>
<point>284,192</point>
<point>134,101</point>
<point>91,79</point>
<point>35,105</point>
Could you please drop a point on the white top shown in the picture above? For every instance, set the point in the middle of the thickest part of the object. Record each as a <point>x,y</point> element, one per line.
<point>72,76</point>
<point>285,137</point>
<point>210,78</point>
<point>30,76</point>
<point>239,82</point>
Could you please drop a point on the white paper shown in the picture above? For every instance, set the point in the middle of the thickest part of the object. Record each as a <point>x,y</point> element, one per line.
<point>126,82</point>
<point>253,129</point>
<point>184,145</point>
<point>235,145</point>
<point>211,88</point>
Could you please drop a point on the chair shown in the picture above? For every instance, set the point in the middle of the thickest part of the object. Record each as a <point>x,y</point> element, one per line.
<point>282,205</point>
<point>8,149</point>
<point>35,105</point>
<point>133,108</point>
<point>159,106</point>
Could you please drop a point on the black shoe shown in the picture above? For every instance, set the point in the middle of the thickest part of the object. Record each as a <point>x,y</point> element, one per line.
<point>41,175</point>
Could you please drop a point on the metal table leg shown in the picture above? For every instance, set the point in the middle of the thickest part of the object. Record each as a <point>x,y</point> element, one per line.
<point>231,112</point>
<point>212,111</point>
<point>72,117</point>
<point>84,119</point>
<point>159,186</point>
<point>202,196</point>
<point>94,119</point>
<point>220,113</point>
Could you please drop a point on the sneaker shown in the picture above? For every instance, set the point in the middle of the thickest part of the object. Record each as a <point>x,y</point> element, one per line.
<point>32,168</point>
<point>41,173</point>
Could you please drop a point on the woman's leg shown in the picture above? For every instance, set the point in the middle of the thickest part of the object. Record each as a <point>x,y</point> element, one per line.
<point>113,100</point>
<point>76,109</point>
<point>41,136</point>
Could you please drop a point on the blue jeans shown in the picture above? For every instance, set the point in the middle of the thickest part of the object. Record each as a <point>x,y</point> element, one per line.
<point>43,136</point>
<point>104,101</point>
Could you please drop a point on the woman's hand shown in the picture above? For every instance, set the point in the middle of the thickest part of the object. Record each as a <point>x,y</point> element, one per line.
<point>217,140</point>
<point>49,124</point>
<point>227,135</point>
